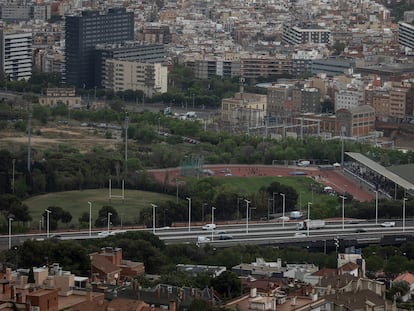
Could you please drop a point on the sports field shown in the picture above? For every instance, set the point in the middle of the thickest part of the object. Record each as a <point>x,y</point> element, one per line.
<point>76,202</point>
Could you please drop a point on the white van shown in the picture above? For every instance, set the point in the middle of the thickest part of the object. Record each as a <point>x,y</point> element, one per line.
<point>209,227</point>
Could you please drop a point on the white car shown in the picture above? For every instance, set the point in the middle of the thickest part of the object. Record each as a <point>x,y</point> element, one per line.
<point>388,224</point>
<point>299,235</point>
<point>209,227</point>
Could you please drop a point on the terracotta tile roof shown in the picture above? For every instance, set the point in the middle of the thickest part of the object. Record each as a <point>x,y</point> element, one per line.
<point>349,266</point>
<point>117,304</point>
<point>407,276</point>
<point>325,272</point>
<point>101,263</point>
<point>336,281</point>
<point>357,300</point>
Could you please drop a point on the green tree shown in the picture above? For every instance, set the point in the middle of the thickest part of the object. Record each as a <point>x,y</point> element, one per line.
<point>103,214</point>
<point>227,284</point>
<point>31,278</point>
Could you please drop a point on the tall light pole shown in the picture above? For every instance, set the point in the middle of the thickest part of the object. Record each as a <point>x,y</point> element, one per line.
<point>48,222</point>
<point>343,211</point>
<point>268,209</point>
<point>247,215</point>
<point>283,209</point>
<point>202,211</point>
<point>307,227</point>
<point>153,217</point>
<point>403,220</point>
<point>189,214</point>
<point>90,218</point>
<point>376,207</point>
<point>212,221</point>
<point>109,220</point>
<point>238,207</point>
<point>10,230</point>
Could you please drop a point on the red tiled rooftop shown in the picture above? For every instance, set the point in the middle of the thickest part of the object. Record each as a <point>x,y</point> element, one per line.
<point>407,276</point>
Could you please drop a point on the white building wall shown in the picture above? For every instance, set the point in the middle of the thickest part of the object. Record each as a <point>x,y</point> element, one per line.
<point>16,55</point>
<point>124,75</point>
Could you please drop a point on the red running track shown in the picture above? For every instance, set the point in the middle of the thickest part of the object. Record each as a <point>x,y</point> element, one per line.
<point>335,179</point>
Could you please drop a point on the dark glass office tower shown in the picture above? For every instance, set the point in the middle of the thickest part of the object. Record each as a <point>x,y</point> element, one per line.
<point>83,32</point>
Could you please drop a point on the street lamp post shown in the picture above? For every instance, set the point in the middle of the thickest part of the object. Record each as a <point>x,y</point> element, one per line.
<point>283,209</point>
<point>48,222</point>
<point>202,212</point>
<point>376,207</point>
<point>247,215</point>
<point>307,227</point>
<point>343,211</point>
<point>109,220</point>
<point>153,217</point>
<point>403,220</point>
<point>238,207</point>
<point>189,214</point>
<point>212,221</point>
<point>90,218</point>
<point>268,209</point>
<point>10,230</point>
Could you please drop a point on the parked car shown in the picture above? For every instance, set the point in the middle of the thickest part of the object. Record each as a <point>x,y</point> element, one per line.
<point>209,227</point>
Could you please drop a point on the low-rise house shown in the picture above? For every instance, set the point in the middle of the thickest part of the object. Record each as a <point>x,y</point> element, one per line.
<point>409,278</point>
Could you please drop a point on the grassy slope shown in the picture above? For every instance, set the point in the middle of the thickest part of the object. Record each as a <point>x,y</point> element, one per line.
<point>76,202</point>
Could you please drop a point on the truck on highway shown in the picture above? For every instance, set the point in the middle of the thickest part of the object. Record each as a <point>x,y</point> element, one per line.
<point>311,224</point>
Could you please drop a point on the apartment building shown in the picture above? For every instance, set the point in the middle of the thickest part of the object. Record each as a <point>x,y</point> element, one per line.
<point>16,54</point>
<point>406,34</point>
<point>306,99</point>
<point>306,33</point>
<point>208,68</point>
<point>381,104</point>
<point>398,102</point>
<point>255,66</point>
<point>83,32</point>
<point>131,51</point>
<point>121,75</point>
<point>155,34</point>
<point>279,99</point>
<point>346,99</point>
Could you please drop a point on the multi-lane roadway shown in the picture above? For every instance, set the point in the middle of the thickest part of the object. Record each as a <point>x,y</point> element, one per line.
<point>271,233</point>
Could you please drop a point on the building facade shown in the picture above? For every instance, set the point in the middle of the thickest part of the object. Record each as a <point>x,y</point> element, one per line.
<point>121,75</point>
<point>131,51</point>
<point>406,35</point>
<point>83,32</point>
<point>304,34</point>
<point>16,55</point>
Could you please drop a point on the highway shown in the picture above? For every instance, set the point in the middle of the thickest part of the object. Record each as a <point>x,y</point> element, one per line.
<point>271,233</point>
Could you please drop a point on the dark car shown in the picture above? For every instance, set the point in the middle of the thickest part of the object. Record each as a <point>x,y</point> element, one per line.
<point>225,237</point>
<point>360,230</point>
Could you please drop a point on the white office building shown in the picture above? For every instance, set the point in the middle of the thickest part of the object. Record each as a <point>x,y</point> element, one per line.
<point>16,55</point>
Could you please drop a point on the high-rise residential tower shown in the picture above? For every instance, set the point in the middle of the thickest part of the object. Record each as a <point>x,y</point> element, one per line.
<point>82,34</point>
<point>16,54</point>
